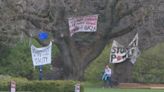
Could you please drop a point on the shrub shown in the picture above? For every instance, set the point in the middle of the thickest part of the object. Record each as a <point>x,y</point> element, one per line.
<point>40,86</point>
<point>149,66</point>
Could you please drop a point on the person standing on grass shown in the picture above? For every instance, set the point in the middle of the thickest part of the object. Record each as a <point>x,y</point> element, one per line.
<point>107,75</point>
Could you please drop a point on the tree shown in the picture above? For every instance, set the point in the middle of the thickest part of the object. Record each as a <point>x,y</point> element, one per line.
<point>116,18</point>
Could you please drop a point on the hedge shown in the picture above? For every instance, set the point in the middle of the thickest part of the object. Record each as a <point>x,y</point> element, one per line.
<point>39,86</point>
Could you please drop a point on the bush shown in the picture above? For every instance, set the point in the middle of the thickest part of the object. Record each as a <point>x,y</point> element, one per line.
<point>149,66</point>
<point>5,81</point>
<point>39,86</point>
<point>17,61</point>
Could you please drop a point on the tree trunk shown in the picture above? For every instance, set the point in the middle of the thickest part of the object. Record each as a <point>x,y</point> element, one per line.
<point>76,58</point>
<point>74,72</point>
<point>122,72</point>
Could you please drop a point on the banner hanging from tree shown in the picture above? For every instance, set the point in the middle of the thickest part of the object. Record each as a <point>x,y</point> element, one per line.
<point>83,24</point>
<point>118,53</point>
<point>41,56</point>
<point>133,49</point>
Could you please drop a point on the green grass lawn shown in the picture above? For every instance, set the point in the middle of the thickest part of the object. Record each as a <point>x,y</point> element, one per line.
<point>97,87</point>
<point>119,90</point>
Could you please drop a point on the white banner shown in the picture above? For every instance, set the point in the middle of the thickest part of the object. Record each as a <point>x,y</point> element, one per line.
<point>133,49</point>
<point>83,24</point>
<point>118,53</point>
<point>41,56</point>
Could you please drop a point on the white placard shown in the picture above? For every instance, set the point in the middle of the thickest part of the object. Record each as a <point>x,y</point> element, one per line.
<point>41,56</point>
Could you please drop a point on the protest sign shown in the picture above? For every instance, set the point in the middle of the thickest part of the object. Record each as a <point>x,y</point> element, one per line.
<point>41,56</point>
<point>83,24</point>
<point>118,53</point>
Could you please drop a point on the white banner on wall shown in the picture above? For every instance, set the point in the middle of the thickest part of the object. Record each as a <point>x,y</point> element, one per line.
<point>118,53</point>
<point>41,56</point>
<point>83,24</point>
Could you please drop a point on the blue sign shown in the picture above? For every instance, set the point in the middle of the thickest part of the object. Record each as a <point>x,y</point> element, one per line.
<point>43,35</point>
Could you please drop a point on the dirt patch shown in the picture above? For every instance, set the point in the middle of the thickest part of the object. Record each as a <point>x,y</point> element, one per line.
<point>141,85</point>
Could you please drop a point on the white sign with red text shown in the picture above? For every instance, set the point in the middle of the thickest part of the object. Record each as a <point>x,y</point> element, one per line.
<point>83,24</point>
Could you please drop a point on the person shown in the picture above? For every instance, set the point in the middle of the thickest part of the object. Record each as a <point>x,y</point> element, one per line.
<point>107,75</point>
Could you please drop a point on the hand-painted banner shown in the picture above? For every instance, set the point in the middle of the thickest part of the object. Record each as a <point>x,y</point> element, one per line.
<point>118,53</point>
<point>83,24</point>
<point>41,56</point>
<point>133,49</point>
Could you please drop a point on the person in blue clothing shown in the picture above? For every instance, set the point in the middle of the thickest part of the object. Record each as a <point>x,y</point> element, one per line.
<point>107,76</point>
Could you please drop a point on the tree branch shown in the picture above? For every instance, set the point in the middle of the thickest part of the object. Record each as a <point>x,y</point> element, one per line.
<point>110,17</point>
<point>100,43</point>
<point>127,13</point>
<point>35,20</point>
<point>34,36</point>
<point>117,33</point>
<point>113,11</point>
